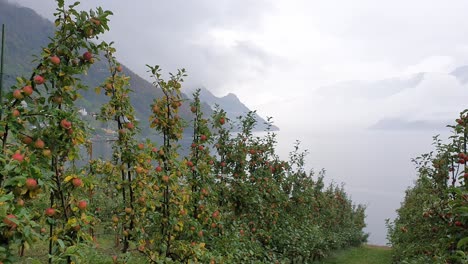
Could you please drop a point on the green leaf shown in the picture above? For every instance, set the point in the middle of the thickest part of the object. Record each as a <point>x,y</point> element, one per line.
<point>462,242</point>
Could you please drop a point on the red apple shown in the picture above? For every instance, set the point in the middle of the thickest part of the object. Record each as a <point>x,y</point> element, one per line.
<point>165,178</point>
<point>82,204</point>
<point>15,113</point>
<point>17,94</point>
<point>222,120</point>
<point>128,210</point>
<point>20,202</point>
<point>65,124</point>
<point>203,137</point>
<point>158,169</point>
<point>31,184</point>
<point>130,126</point>
<point>38,79</point>
<point>49,212</point>
<point>39,144</point>
<point>27,140</point>
<point>119,68</point>
<point>8,220</point>
<point>77,182</point>
<point>87,56</point>
<point>139,170</point>
<point>18,156</point>
<point>55,60</point>
<point>28,90</point>
<point>95,21</point>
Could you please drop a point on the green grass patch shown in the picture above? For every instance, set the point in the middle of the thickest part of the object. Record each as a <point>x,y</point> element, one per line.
<point>361,255</point>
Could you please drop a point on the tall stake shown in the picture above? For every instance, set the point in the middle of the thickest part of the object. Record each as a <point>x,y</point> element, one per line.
<point>1,70</point>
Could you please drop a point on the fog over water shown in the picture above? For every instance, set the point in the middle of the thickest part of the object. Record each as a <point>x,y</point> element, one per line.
<point>374,165</point>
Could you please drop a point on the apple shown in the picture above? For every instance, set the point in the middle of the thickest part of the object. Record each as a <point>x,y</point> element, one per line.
<point>87,56</point>
<point>31,184</point>
<point>165,178</point>
<point>108,86</point>
<point>222,120</point>
<point>39,144</point>
<point>17,94</point>
<point>55,60</point>
<point>15,113</point>
<point>77,182</point>
<point>47,153</point>
<point>154,149</point>
<point>215,214</point>
<point>128,210</point>
<point>158,169</point>
<point>130,126</point>
<point>458,223</point>
<point>95,21</point>
<point>200,147</point>
<point>8,220</point>
<point>82,204</point>
<point>28,90</point>
<point>57,99</point>
<point>193,109</point>
<point>38,79</point>
<point>119,68</point>
<point>141,146</point>
<point>115,219</point>
<point>27,140</point>
<point>65,124</point>
<point>139,170</point>
<point>203,137</point>
<point>49,212</point>
<point>18,157</point>
<point>20,202</point>
<point>189,163</point>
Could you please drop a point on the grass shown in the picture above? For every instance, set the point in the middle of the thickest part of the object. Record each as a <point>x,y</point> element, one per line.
<point>366,254</point>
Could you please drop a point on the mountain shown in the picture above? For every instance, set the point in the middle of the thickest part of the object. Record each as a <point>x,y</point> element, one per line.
<point>461,73</point>
<point>25,37</point>
<point>233,107</point>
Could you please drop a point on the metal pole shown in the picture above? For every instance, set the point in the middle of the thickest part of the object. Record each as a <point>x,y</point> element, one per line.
<point>1,70</point>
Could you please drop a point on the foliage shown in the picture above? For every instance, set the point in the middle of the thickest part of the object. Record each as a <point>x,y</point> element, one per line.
<point>231,199</point>
<point>432,221</point>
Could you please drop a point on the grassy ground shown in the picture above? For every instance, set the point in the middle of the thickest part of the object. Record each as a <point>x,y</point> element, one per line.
<point>361,255</point>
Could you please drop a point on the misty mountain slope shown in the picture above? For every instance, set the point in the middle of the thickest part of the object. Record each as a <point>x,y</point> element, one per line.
<point>461,73</point>
<point>25,37</point>
<point>233,107</point>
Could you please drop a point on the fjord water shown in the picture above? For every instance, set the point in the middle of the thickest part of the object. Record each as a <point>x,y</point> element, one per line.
<point>374,166</point>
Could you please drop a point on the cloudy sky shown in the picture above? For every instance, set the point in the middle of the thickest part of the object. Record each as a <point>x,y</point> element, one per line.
<point>316,67</point>
<point>284,51</point>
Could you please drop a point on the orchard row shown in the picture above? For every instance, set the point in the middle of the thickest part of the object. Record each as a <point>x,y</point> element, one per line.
<point>230,200</point>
